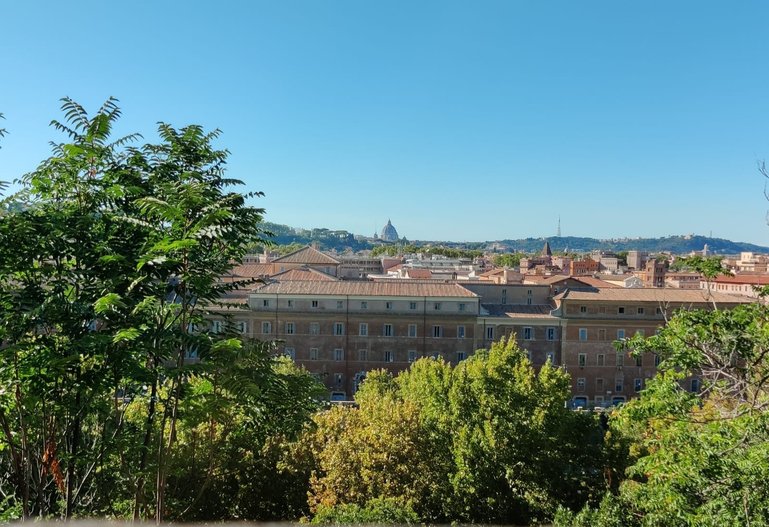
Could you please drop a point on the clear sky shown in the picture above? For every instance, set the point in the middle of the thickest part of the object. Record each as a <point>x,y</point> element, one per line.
<point>472,120</point>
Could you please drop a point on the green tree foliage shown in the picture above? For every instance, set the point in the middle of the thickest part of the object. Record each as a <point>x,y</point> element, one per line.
<point>486,441</point>
<point>112,260</point>
<point>378,511</point>
<point>508,259</point>
<point>697,457</point>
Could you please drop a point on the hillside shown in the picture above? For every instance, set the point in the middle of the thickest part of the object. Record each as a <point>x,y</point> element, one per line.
<point>341,240</point>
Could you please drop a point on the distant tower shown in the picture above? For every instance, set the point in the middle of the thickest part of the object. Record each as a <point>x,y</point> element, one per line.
<point>558,233</point>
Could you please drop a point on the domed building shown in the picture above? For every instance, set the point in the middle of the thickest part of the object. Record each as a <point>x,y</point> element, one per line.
<point>389,234</point>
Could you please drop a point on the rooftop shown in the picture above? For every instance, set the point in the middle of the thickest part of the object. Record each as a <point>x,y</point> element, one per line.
<point>651,294</point>
<point>405,288</point>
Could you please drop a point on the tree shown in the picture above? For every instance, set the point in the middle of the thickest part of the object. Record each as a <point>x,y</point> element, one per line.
<point>112,267</point>
<point>508,259</point>
<point>696,440</point>
<point>488,441</point>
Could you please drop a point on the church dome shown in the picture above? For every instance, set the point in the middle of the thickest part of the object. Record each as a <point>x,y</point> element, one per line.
<point>389,234</point>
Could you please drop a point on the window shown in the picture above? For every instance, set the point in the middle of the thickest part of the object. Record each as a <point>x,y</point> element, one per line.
<point>638,385</point>
<point>641,311</point>
<point>363,329</point>
<point>640,332</point>
<point>290,353</point>
<point>362,355</point>
<point>412,305</point>
<point>217,326</point>
<point>602,334</point>
<point>551,357</point>
<point>314,328</point>
<point>437,306</point>
<point>388,305</point>
<point>657,360</point>
<point>364,305</point>
<point>580,384</point>
<point>583,309</point>
<point>620,334</point>
<point>437,332</point>
<point>387,331</point>
<point>412,330</point>
<point>582,360</point>
<point>338,328</point>
<point>599,385</point>
<point>338,354</point>
<point>462,307</point>
<point>490,333</point>
<point>266,327</point>
<point>290,303</point>
<point>550,333</point>
<point>388,356</point>
<point>290,328</point>
<point>528,301</point>
<point>528,334</point>
<point>658,311</point>
<point>242,326</point>
<point>461,356</point>
<point>621,310</point>
<point>265,303</point>
<point>620,358</point>
<point>602,310</point>
<point>639,360</point>
<point>313,353</point>
<point>600,359</point>
<point>460,332</point>
<point>412,355</point>
<point>582,334</point>
<point>695,385</point>
<point>314,303</point>
<point>619,384</point>
<point>504,296</point>
<point>528,292</point>
<point>339,304</point>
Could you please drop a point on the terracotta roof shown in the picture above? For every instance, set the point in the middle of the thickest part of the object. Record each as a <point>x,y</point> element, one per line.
<point>304,273</point>
<point>749,279</point>
<point>356,288</point>
<point>651,294</point>
<point>419,273</point>
<point>307,255</point>
<point>518,310</point>
<point>251,270</point>
<point>593,282</point>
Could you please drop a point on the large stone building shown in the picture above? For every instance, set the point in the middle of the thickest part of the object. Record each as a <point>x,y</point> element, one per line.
<point>593,319</point>
<point>340,329</point>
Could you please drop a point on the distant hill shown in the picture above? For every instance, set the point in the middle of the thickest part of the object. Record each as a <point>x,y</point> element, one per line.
<point>341,241</point>
<point>672,244</point>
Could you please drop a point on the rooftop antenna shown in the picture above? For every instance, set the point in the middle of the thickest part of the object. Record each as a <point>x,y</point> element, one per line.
<point>558,233</point>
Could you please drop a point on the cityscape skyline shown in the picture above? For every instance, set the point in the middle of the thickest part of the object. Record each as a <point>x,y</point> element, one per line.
<point>464,122</point>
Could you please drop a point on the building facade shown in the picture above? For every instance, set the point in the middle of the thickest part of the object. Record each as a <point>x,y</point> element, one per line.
<point>341,329</point>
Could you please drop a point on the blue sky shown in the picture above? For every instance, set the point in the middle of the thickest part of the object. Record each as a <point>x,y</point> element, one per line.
<point>457,120</point>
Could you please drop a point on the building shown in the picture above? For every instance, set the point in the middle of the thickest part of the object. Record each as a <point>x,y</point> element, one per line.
<point>389,234</point>
<point>592,320</point>
<point>745,284</point>
<point>339,330</point>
